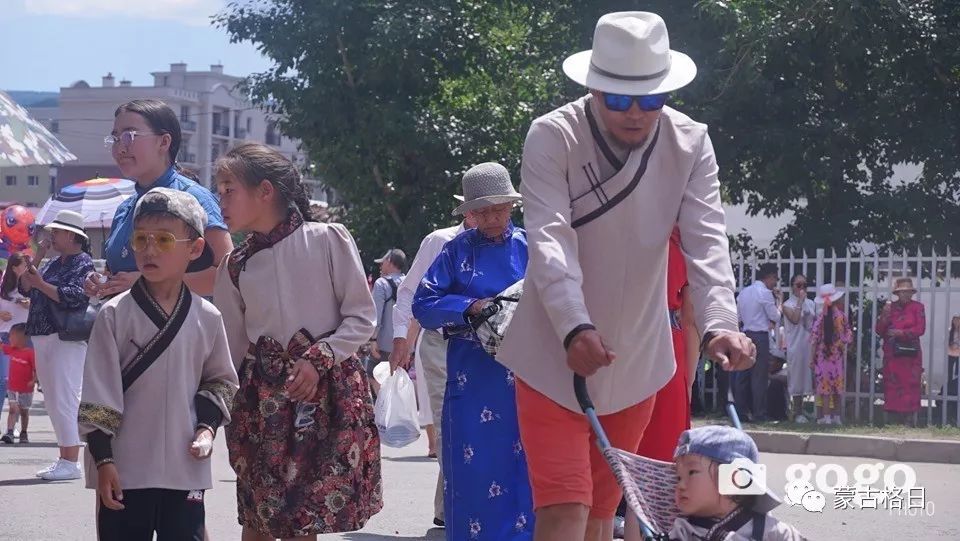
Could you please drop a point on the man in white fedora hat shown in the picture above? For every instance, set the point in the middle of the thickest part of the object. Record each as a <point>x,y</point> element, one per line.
<point>605,179</point>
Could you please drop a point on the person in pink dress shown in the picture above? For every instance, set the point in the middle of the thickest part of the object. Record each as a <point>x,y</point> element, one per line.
<point>901,324</point>
<point>830,337</point>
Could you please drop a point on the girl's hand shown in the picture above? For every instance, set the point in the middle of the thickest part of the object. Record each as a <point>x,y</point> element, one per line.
<point>93,284</point>
<point>5,316</point>
<point>108,487</point>
<point>118,283</point>
<point>202,445</point>
<point>302,383</point>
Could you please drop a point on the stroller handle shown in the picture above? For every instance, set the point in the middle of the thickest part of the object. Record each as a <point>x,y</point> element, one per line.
<point>580,389</point>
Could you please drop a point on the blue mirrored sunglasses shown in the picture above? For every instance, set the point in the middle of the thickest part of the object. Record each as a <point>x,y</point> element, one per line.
<point>622,102</point>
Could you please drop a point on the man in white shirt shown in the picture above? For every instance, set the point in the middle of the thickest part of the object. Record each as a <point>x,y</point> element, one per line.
<point>433,347</point>
<point>759,307</point>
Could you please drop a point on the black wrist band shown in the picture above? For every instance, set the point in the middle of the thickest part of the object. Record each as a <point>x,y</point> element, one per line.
<point>577,330</point>
<point>705,341</point>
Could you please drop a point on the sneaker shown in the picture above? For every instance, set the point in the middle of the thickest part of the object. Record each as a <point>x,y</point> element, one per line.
<point>48,469</point>
<point>825,420</point>
<point>23,437</point>
<point>7,438</point>
<point>837,420</point>
<point>64,471</point>
<point>801,420</point>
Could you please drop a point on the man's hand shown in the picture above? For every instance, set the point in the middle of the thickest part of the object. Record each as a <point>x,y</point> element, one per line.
<point>108,486</point>
<point>5,316</point>
<point>733,350</point>
<point>478,307</point>
<point>302,383</point>
<point>202,445</point>
<point>400,356</point>
<point>587,353</point>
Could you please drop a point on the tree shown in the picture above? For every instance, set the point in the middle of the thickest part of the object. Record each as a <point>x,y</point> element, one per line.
<point>810,103</point>
<point>394,101</point>
<point>818,101</point>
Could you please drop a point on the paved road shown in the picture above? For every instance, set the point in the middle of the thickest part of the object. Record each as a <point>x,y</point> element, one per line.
<point>36,510</point>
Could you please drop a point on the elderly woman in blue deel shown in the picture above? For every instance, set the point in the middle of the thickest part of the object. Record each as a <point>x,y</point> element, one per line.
<point>487,493</point>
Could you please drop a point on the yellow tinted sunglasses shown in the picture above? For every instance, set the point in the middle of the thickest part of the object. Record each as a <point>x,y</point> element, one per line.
<point>163,240</point>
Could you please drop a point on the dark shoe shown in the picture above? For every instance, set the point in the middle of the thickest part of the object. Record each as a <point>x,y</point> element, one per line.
<point>439,523</point>
<point>7,438</point>
<point>23,437</point>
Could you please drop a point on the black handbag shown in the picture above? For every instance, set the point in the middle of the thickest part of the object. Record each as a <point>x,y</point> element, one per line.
<point>73,324</point>
<point>906,349</point>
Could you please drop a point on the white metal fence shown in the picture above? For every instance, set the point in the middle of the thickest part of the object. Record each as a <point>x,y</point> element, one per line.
<point>867,279</point>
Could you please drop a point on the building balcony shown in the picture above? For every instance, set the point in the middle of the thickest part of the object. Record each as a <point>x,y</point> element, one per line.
<point>188,125</point>
<point>222,131</point>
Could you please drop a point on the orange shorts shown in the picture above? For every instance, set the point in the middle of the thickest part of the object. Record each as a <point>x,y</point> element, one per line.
<point>564,462</point>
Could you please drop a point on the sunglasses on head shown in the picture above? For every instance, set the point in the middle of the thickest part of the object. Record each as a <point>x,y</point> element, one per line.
<point>622,102</point>
<point>163,240</point>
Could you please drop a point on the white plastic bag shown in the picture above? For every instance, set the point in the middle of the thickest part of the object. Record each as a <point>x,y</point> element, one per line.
<point>396,411</point>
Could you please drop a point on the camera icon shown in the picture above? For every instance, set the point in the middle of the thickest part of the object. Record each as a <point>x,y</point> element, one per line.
<point>742,477</point>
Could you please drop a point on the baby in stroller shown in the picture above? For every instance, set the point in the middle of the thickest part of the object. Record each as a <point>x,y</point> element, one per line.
<point>707,514</point>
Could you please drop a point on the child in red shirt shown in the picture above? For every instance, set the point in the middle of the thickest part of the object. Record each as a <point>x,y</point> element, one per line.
<point>23,376</point>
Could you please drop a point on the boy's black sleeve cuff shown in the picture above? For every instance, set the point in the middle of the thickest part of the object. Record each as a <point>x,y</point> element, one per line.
<point>100,447</point>
<point>208,413</point>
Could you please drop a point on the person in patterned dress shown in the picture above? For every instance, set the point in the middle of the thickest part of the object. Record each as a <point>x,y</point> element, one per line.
<point>487,493</point>
<point>296,308</point>
<point>830,337</point>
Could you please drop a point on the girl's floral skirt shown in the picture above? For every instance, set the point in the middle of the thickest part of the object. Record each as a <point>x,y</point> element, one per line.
<point>304,468</point>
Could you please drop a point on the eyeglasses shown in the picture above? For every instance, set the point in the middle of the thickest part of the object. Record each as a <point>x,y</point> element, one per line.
<point>622,102</point>
<point>163,240</point>
<point>126,138</point>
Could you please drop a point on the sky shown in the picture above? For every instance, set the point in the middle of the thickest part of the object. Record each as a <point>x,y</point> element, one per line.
<point>48,44</point>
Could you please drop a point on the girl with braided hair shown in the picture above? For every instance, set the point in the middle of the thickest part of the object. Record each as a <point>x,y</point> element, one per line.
<point>296,308</point>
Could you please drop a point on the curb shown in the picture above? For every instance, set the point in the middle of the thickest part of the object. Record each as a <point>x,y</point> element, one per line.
<point>890,449</point>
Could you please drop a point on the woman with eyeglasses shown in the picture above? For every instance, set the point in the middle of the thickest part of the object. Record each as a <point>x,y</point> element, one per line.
<point>145,141</point>
<point>799,313</point>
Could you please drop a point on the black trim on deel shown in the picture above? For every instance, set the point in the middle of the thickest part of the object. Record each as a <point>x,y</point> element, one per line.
<point>601,142</point>
<point>165,334</point>
<point>583,220</point>
<point>577,330</point>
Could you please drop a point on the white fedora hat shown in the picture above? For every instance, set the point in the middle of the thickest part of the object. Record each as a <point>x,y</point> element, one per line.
<point>69,220</point>
<point>829,291</point>
<point>631,55</point>
<point>485,185</point>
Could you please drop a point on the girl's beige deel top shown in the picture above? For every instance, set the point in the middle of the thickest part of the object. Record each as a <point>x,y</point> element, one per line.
<point>312,279</point>
<point>610,270</point>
